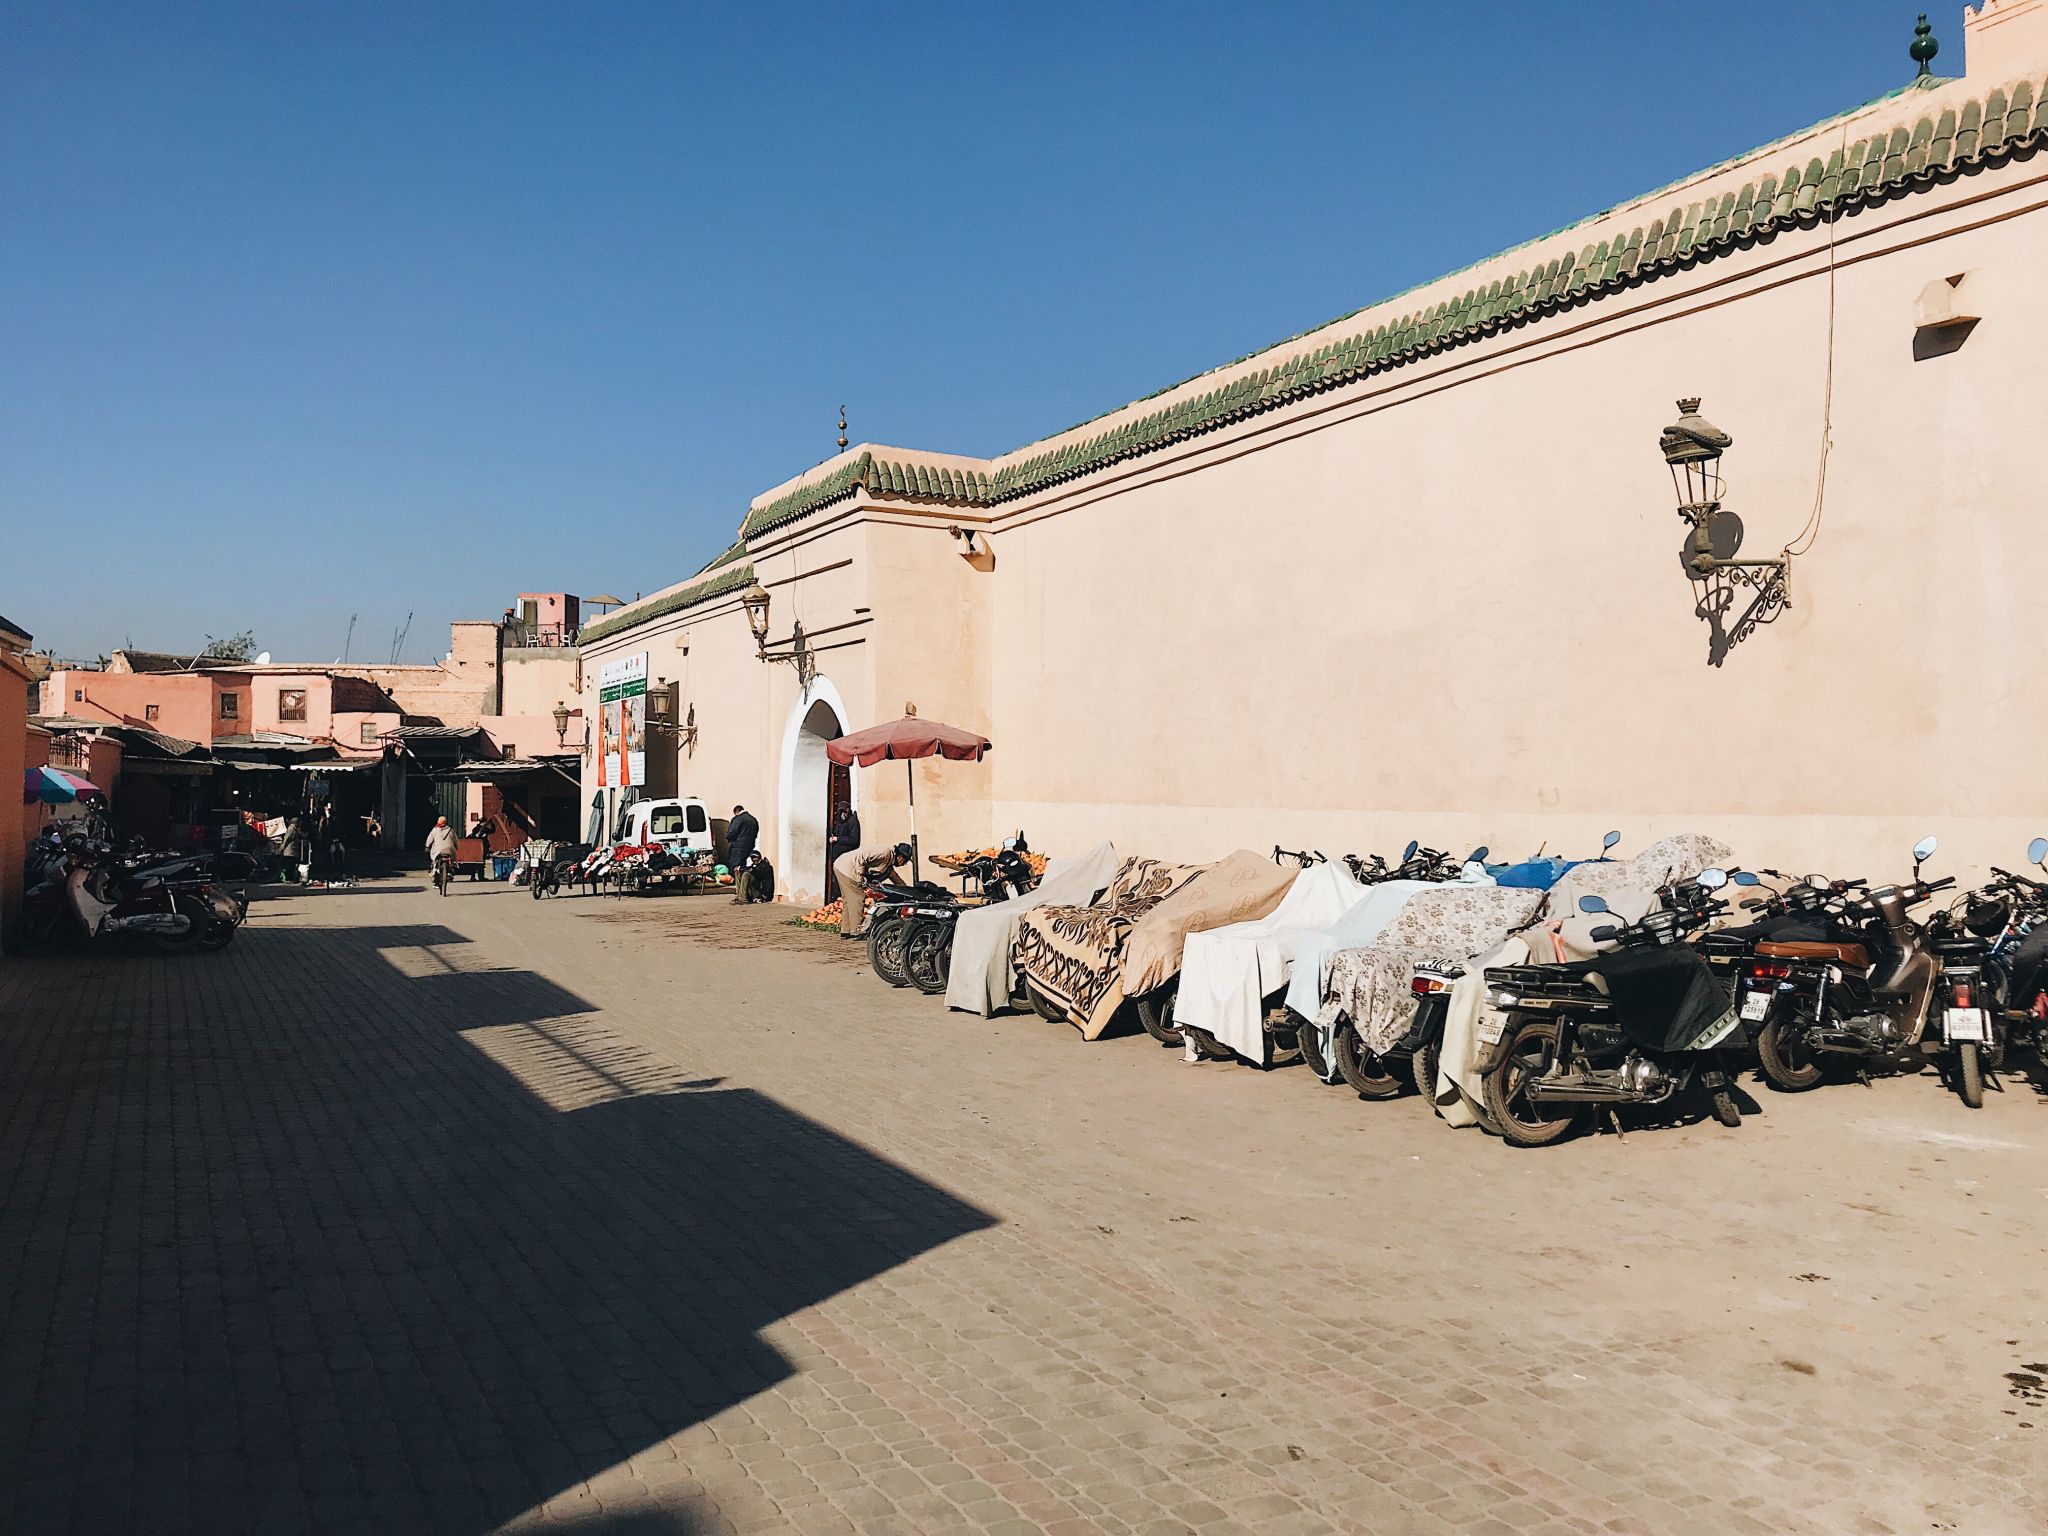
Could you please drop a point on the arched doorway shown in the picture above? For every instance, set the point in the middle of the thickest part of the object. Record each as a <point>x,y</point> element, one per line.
<point>806,791</point>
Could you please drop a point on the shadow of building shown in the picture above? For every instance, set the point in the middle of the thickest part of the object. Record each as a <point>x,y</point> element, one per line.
<point>343,1235</point>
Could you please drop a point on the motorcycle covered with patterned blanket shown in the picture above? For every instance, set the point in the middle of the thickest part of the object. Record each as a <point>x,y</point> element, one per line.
<point>1636,1025</point>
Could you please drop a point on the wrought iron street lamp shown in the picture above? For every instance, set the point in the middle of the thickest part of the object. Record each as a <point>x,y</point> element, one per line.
<point>561,713</point>
<point>1692,447</point>
<point>756,600</point>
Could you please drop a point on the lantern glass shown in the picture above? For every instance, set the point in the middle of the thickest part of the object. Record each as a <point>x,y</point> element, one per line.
<point>755,601</point>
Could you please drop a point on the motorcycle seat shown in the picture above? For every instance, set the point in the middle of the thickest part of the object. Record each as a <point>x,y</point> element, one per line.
<point>1854,956</point>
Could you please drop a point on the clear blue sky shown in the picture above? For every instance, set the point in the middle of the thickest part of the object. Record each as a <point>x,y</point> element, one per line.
<point>308,310</point>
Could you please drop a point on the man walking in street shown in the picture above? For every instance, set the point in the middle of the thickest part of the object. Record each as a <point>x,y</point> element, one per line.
<point>741,833</point>
<point>857,871</point>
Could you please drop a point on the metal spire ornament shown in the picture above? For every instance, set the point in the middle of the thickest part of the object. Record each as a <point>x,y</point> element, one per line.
<point>1924,48</point>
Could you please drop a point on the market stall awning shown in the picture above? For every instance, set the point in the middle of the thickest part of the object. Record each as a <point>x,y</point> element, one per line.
<point>488,770</point>
<point>54,786</point>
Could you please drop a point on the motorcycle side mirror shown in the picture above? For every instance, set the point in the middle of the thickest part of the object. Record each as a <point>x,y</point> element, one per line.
<point>2037,850</point>
<point>1712,879</point>
<point>1924,850</point>
<point>1745,877</point>
<point>1477,855</point>
<point>1819,883</point>
<point>1609,841</point>
<point>1592,904</point>
<point>1409,852</point>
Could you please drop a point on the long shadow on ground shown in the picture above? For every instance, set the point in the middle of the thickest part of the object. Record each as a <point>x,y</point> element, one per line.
<point>328,1232</point>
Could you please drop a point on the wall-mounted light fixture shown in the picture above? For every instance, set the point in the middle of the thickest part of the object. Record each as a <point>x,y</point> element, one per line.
<point>561,714</point>
<point>1692,448</point>
<point>974,547</point>
<point>756,600</point>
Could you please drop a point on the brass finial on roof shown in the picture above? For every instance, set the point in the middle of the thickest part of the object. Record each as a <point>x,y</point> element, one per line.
<point>1924,47</point>
<point>842,428</point>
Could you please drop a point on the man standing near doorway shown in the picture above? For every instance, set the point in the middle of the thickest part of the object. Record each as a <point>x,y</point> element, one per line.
<point>741,834</point>
<point>841,838</point>
<point>857,871</point>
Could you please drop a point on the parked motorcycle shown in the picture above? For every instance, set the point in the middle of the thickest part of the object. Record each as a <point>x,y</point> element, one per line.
<point>1424,1041</point>
<point>1637,1025</point>
<point>548,875</point>
<point>88,894</point>
<point>2017,965</point>
<point>1993,948</point>
<point>1854,990</point>
<point>928,925</point>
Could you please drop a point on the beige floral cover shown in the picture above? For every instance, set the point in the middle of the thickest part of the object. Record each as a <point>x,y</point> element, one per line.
<point>1370,986</point>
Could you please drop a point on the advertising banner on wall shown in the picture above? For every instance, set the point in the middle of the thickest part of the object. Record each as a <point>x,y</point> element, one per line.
<point>622,721</point>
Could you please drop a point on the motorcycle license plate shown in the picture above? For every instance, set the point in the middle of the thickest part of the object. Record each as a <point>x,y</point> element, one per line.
<point>1491,1027</point>
<point>1757,1006</point>
<point>1962,1024</point>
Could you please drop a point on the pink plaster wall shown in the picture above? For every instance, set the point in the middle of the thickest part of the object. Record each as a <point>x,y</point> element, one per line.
<point>184,700</point>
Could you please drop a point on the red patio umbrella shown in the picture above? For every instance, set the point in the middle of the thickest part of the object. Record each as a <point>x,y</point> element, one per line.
<point>909,738</point>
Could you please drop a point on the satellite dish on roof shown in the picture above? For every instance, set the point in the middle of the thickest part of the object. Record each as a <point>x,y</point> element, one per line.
<point>263,658</point>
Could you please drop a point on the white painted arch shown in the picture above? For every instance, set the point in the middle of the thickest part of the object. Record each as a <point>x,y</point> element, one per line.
<point>818,714</point>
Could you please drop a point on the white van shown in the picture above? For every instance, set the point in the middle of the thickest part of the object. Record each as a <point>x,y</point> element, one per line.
<point>680,826</point>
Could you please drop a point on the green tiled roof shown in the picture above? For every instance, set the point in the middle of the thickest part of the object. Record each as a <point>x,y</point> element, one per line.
<point>1986,129</point>
<point>724,576</point>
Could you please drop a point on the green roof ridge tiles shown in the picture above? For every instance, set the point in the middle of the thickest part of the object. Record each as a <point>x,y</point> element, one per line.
<point>1870,168</point>
<point>729,578</point>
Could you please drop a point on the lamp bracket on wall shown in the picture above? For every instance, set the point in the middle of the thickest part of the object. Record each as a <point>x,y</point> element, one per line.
<point>1692,447</point>
<point>755,600</point>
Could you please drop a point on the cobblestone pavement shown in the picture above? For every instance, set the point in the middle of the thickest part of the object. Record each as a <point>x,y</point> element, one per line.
<point>632,1217</point>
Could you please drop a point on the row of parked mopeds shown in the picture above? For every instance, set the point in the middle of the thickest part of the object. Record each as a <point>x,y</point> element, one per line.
<point>1529,998</point>
<point>83,885</point>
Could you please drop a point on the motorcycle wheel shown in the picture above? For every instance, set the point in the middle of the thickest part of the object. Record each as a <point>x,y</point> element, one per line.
<point>928,956</point>
<point>39,930</point>
<point>1424,1064</point>
<point>1052,1012</point>
<point>1365,1072</point>
<point>1970,1074</point>
<point>1206,1045</point>
<point>885,950</point>
<point>1522,1123</point>
<point>1787,1065</point>
<point>1155,1012</point>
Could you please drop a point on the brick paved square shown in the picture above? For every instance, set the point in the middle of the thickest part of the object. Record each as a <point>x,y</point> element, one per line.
<point>479,1213</point>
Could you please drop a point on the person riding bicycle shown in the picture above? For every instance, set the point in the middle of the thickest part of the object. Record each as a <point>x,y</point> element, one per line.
<point>440,844</point>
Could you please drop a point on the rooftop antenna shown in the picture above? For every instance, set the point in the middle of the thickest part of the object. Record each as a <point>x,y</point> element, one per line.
<point>350,640</point>
<point>398,638</point>
<point>842,409</point>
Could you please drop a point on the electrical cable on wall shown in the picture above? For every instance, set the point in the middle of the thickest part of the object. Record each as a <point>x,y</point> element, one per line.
<point>1805,539</point>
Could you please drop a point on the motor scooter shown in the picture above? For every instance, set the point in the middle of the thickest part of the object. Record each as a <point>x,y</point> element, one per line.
<point>1857,991</point>
<point>87,895</point>
<point>1636,1025</point>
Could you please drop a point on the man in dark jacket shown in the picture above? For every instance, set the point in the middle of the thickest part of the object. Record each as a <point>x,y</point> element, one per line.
<point>741,833</point>
<point>843,836</point>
